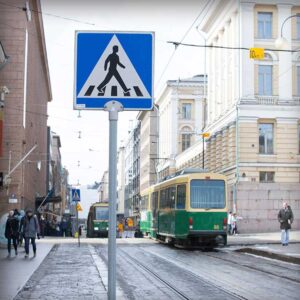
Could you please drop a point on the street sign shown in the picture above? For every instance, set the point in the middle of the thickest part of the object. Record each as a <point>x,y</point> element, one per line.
<point>257,53</point>
<point>205,134</point>
<point>78,207</point>
<point>75,195</point>
<point>113,66</point>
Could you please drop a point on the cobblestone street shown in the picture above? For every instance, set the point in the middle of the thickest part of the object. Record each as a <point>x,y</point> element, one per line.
<point>68,272</point>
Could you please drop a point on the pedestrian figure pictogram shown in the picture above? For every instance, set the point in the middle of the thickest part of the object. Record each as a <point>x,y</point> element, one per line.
<point>113,60</point>
<point>114,66</point>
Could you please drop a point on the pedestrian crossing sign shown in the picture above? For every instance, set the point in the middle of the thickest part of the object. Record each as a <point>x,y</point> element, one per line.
<point>75,195</point>
<point>113,66</point>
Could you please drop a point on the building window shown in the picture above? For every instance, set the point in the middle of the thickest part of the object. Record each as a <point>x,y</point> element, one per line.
<point>299,138</point>
<point>264,25</point>
<point>298,27</point>
<point>266,176</point>
<point>265,80</point>
<point>298,80</point>
<point>186,111</point>
<point>266,132</point>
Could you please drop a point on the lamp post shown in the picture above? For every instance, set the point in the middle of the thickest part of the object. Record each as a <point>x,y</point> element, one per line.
<point>204,135</point>
<point>281,42</point>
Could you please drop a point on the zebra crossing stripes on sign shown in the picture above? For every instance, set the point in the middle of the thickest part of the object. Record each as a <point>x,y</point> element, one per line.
<point>114,66</point>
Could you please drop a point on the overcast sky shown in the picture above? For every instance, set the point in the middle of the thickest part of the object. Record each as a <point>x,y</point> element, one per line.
<point>170,20</point>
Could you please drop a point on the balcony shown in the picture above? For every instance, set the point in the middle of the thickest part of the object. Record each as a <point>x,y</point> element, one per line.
<point>270,100</point>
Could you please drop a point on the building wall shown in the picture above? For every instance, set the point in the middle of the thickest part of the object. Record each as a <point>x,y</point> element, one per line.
<point>172,122</point>
<point>121,181</point>
<point>25,111</point>
<point>235,111</point>
<point>149,148</point>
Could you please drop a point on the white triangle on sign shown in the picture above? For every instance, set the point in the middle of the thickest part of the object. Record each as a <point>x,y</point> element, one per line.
<point>129,75</point>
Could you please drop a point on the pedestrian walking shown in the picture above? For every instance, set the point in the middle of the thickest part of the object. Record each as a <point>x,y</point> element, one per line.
<point>21,223</point>
<point>234,223</point>
<point>12,232</point>
<point>285,218</point>
<point>42,226</point>
<point>31,230</point>
<point>229,222</point>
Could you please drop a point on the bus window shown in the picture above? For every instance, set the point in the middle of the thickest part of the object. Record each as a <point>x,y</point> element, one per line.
<point>181,196</point>
<point>172,194</point>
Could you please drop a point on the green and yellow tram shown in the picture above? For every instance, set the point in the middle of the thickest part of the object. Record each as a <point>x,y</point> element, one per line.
<point>97,223</point>
<point>189,209</point>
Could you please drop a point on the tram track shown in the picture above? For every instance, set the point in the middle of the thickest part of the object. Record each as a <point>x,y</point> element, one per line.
<point>155,274</point>
<point>234,261</point>
<point>171,286</point>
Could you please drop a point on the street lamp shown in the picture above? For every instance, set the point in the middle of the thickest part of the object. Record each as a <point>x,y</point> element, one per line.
<point>204,135</point>
<point>281,42</point>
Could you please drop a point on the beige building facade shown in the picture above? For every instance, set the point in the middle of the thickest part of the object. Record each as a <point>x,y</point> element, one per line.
<point>253,112</point>
<point>181,120</point>
<point>148,147</point>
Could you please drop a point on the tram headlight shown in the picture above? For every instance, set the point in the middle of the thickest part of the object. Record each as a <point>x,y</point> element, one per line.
<point>96,228</point>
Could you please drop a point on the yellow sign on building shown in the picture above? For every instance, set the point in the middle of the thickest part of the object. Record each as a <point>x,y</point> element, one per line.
<point>257,53</point>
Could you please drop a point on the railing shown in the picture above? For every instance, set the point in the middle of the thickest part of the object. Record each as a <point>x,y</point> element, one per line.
<point>270,100</point>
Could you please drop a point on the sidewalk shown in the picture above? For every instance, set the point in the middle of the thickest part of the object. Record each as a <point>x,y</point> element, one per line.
<point>267,245</point>
<point>16,271</point>
<point>68,272</point>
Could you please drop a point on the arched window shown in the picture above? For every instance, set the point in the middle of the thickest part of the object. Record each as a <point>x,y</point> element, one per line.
<point>185,138</point>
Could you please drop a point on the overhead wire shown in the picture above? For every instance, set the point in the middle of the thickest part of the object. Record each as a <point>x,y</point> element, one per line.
<point>46,14</point>
<point>181,40</point>
<point>176,44</point>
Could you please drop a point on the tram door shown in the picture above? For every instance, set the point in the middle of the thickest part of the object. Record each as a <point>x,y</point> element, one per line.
<point>154,207</point>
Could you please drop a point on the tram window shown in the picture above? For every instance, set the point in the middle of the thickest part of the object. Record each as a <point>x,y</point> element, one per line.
<point>172,194</point>
<point>163,199</point>
<point>207,193</point>
<point>181,196</point>
<point>154,200</point>
<point>144,202</point>
<point>101,213</point>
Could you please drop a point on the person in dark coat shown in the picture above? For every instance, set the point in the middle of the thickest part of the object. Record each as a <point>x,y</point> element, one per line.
<point>31,230</point>
<point>285,218</point>
<point>12,232</point>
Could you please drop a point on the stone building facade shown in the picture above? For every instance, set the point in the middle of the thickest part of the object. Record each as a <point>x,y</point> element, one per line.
<point>181,118</point>
<point>26,76</point>
<point>253,112</point>
<point>149,147</point>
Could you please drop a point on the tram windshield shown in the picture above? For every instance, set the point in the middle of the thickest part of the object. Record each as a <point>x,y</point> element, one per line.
<point>207,194</point>
<point>101,213</point>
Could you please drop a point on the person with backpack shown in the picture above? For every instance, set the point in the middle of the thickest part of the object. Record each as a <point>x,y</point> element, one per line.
<point>12,232</point>
<point>31,230</point>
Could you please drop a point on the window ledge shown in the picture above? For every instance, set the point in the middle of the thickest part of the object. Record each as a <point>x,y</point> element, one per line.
<point>267,155</point>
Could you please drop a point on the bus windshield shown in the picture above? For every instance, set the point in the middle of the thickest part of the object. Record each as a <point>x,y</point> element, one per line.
<point>207,194</point>
<point>101,213</point>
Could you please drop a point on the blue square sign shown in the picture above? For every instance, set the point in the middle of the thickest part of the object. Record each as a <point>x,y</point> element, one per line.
<point>113,66</point>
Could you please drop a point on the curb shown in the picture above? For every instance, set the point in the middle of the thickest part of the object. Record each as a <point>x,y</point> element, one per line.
<point>272,255</point>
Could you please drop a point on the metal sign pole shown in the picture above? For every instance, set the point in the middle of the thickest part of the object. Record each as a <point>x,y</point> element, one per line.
<point>113,107</point>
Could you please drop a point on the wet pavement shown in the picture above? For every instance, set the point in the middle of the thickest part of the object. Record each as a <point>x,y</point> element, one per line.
<point>16,271</point>
<point>71,272</point>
